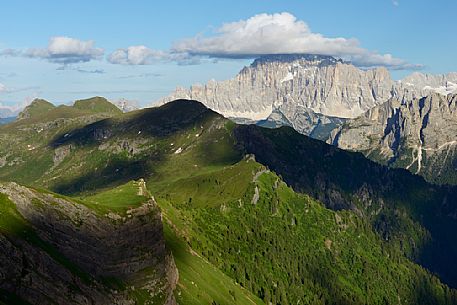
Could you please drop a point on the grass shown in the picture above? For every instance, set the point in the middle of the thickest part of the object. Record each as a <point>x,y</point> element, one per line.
<point>287,248</point>
<point>199,281</point>
<point>119,199</point>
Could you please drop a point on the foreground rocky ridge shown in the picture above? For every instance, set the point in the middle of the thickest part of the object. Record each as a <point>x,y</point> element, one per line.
<point>65,253</point>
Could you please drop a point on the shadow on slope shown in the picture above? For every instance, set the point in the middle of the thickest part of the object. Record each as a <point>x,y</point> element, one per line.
<point>398,204</point>
<point>157,122</point>
<point>395,200</point>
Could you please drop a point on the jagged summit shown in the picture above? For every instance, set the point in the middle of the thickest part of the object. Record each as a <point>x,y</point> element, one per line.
<point>322,83</point>
<point>126,105</point>
<point>289,58</point>
<point>424,83</point>
<point>417,134</point>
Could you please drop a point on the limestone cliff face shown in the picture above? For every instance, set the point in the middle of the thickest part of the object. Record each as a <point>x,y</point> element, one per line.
<point>424,84</point>
<point>72,255</point>
<point>419,135</point>
<point>321,83</point>
<point>303,120</point>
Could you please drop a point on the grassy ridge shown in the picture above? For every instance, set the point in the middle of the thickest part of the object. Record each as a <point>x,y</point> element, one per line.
<point>199,281</point>
<point>288,248</point>
<point>119,199</point>
<point>228,218</point>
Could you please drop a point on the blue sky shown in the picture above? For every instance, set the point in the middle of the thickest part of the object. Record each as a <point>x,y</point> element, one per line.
<point>182,43</point>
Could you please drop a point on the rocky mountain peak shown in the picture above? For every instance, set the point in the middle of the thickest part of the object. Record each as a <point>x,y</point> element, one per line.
<point>417,134</point>
<point>424,83</point>
<point>126,105</point>
<point>290,58</point>
<point>321,83</point>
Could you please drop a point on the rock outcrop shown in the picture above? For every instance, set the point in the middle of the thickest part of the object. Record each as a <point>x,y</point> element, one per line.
<point>303,120</point>
<point>65,253</point>
<point>126,105</point>
<point>419,135</point>
<point>425,84</point>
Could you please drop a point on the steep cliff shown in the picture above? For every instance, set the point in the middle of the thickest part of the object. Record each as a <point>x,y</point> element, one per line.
<point>418,135</point>
<point>321,83</point>
<point>54,250</point>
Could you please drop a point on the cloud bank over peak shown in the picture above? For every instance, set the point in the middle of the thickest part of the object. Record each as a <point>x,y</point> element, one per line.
<point>66,50</point>
<point>281,33</point>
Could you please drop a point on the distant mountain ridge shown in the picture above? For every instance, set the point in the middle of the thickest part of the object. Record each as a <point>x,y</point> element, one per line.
<point>443,84</point>
<point>419,135</point>
<point>323,84</point>
<point>40,106</point>
<point>293,89</point>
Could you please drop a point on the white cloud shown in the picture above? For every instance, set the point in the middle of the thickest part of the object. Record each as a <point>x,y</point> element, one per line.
<point>66,50</point>
<point>266,34</point>
<point>2,88</point>
<point>142,55</point>
<point>137,55</point>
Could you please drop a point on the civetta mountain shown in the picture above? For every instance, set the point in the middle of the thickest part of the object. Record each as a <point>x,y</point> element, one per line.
<point>317,94</point>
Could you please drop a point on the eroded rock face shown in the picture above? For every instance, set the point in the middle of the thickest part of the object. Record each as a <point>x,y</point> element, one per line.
<point>128,252</point>
<point>428,83</point>
<point>303,120</point>
<point>321,83</point>
<point>60,153</point>
<point>419,135</point>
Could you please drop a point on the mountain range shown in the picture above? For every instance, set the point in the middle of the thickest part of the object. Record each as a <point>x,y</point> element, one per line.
<point>318,95</point>
<point>237,198</point>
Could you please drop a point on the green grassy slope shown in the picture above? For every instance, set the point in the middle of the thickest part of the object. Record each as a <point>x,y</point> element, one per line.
<point>403,208</point>
<point>118,199</point>
<point>96,105</point>
<point>25,155</point>
<point>289,249</point>
<point>199,281</point>
<point>38,108</point>
<point>352,239</point>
